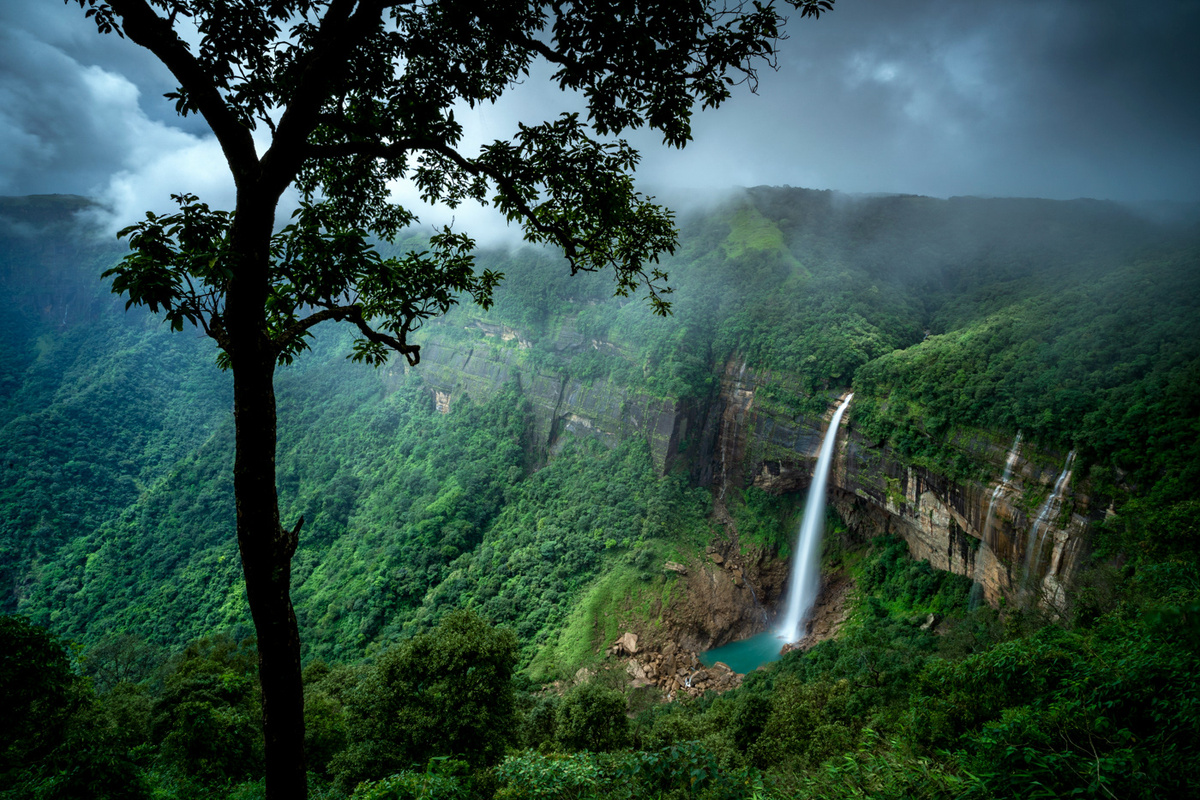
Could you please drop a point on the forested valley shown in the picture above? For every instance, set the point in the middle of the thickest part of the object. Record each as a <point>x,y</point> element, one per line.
<point>481,529</point>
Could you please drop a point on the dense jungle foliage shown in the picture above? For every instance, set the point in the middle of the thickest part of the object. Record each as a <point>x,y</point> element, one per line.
<point>450,567</point>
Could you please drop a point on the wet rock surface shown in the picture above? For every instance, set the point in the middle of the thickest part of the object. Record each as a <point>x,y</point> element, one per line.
<point>829,614</point>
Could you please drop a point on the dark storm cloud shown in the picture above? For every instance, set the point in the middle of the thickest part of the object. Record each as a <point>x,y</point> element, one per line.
<point>1056,98</point>
<point>70,114</point>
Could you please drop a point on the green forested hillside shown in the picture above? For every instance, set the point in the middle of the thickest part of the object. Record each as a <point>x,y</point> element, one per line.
<point>434,538</point>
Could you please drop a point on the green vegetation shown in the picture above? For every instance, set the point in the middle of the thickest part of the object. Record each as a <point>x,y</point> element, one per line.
<point>454,561</point>
<point>54,738</point>
<point>978,705</point>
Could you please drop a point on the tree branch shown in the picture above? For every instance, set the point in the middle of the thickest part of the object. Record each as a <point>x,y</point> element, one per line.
<point>402,147</point>
<point>146,28</point>
<point>411,352</point>
<point>341,27</point>
<point>297,329</point>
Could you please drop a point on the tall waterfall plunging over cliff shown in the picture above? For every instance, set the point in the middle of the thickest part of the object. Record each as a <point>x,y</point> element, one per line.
<point>806,560</point>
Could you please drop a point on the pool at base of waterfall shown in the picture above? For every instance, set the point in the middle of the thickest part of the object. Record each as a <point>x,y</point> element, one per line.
<point>746,655</point>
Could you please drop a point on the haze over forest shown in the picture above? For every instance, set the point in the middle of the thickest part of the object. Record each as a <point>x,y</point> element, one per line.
<point>518,566</point>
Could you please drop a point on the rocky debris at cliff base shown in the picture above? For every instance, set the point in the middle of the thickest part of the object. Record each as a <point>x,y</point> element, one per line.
<point>626,645</point>
<point>676,672</point>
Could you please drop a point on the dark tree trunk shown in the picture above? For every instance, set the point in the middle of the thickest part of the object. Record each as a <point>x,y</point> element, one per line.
<point>267,550</point>
<point>266,547</point>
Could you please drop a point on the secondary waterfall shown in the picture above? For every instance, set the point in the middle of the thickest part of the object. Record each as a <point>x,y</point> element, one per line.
<point>1000,487</point>
<point>806,560</point>
<point>976,596</point>
<point>1033,552</point>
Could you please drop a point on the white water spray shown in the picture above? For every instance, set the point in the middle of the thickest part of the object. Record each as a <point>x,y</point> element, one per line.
<point>806,560</point>
<point>1041,524</point>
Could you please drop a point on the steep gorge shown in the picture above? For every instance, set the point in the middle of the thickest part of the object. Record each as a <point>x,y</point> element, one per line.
<point>731,394</point>
<point>743,435</point>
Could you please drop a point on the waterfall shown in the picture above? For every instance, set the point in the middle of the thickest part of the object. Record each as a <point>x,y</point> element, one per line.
<point>1002,485</point>
<point>806,561</point>
<point>1049,509</point>
<point>976,596</point>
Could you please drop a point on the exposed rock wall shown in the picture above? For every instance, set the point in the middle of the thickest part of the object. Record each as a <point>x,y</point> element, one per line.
<point>50,260</point>
<point>942,520</point>
<point>561,404</point>
<point>740,436</point>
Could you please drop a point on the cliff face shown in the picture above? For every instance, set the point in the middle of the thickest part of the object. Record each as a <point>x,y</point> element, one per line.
<point>51,259</point>
<point>743,435</point>
<point>1005,534</point>
<point>561,404</point>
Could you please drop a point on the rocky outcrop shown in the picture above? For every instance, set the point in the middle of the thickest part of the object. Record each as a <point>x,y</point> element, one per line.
<point>723,595</point>
<point>830,612</point>
<point>674,670</point>
<point>679,672</point>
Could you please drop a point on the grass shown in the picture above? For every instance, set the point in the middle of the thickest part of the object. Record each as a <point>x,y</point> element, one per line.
<point>750,231</point>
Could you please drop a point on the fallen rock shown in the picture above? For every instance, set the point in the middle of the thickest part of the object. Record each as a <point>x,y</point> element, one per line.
<point>628,642</point>
<point>672,566</point>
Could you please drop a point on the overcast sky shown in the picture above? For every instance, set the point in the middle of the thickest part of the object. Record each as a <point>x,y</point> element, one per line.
<point>1044,98</point>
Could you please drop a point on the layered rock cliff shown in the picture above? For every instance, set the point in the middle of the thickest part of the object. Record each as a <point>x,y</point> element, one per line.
<point>561,404</point>
<point>983,530</point>
<point>744,435</point>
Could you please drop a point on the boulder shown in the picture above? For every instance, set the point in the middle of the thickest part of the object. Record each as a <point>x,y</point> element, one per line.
<point>626,644</point>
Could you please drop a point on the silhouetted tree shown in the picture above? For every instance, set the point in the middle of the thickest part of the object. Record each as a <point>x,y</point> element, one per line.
<point>355,94</point>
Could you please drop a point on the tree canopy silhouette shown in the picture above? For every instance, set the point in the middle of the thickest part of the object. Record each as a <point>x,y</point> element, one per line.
<point>357,94</point>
